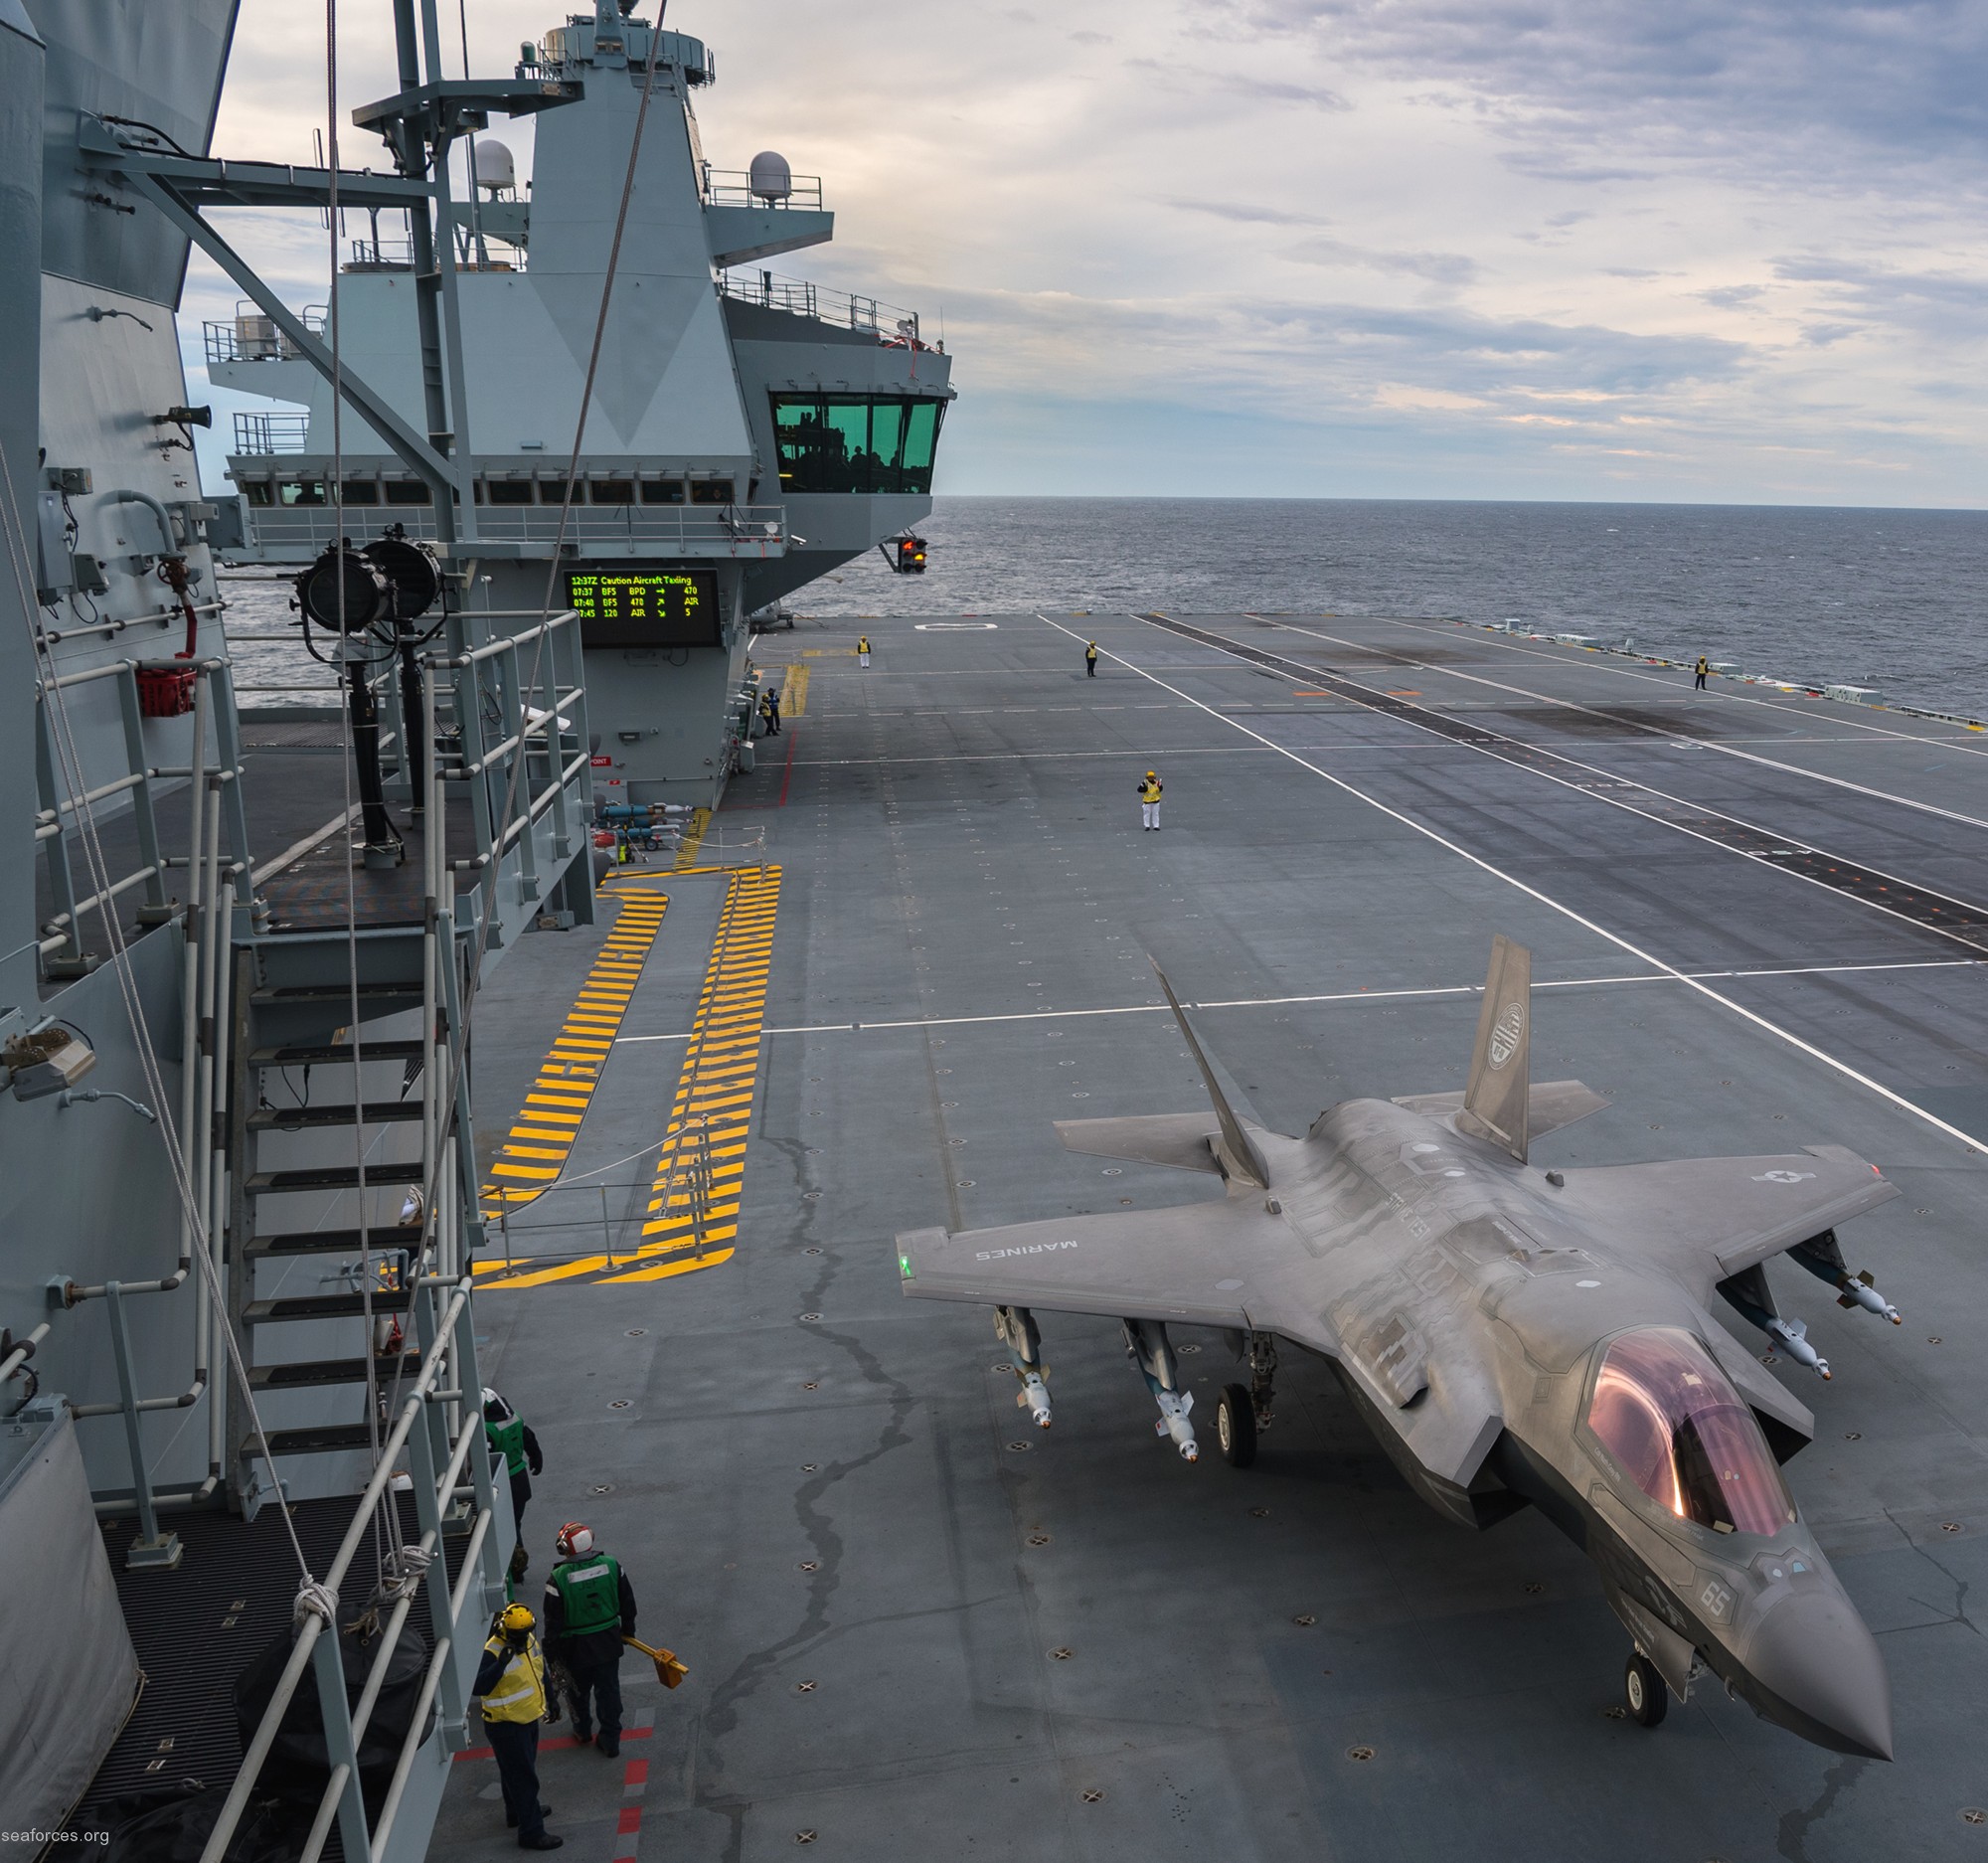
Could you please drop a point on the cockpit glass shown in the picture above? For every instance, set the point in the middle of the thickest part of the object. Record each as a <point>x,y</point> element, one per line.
<point>1669,1415</point>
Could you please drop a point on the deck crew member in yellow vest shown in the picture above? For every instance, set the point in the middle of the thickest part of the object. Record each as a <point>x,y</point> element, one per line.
<point>589,1608</point>
<point>1149,800</point>
<point>1703,667</point>
<point>512,1686</point>
<point>862,649</point>
<point>511,1436</point>
<point>1090,659</point>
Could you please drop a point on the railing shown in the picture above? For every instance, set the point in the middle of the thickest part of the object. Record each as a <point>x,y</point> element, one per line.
<point>732,187</point>
<point>257,434</point>
<point>439,1452</point>
<point>754,531</point>
<point>382,255</point>
<point>251,336</point>
<point>802,298</point>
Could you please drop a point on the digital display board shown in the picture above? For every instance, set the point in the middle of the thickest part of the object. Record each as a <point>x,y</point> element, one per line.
<point>644,605</point>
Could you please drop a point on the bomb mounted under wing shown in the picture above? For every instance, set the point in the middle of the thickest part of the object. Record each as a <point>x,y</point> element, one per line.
<point>1511,1337</point>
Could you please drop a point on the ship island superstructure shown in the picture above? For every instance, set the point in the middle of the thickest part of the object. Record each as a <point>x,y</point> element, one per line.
<point>746,432</point>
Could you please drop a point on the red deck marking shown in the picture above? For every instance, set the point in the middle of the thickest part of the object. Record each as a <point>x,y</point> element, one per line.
<point>553,1746</point>
<point>632,1821</point>
<point>637,1773</point>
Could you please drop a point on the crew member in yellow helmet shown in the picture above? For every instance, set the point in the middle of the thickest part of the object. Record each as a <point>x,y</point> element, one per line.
<point>512,1686</point>
<point>1150,791</point>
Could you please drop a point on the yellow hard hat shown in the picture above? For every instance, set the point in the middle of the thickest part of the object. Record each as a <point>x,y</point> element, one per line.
<point>1151,774</point>
<point>516,1618</point>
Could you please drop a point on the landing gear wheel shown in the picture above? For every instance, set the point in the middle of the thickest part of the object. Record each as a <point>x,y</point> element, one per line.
<point>1235,1425</point>
<point>1644,1692</point>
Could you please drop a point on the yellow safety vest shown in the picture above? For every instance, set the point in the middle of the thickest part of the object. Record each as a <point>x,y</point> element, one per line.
<point>520,1694</point>
<point>1149,793</point>
<point>863,644</point>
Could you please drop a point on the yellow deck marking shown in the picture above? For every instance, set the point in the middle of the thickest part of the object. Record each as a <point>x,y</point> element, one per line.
<point>700,822</point>
<point>571,1070</point>
<point>794,691</point>
<point>716,1084</point>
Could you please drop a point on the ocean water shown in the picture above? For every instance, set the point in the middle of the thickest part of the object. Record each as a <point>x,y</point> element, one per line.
<point>1896,600</point>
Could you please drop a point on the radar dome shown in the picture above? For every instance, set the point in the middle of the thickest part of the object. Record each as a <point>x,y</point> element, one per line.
<point>495,168</point>
<point>771,178</point>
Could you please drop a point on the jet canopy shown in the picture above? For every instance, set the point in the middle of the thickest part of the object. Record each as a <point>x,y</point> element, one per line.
<point>1681,1433</point>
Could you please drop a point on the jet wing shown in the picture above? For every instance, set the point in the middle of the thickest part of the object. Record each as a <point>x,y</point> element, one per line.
<point>1708,1218</point>
<point>1199,1263</point>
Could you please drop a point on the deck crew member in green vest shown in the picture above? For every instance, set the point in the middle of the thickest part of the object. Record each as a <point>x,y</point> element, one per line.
<point>512,1686</point>
<point>512,1436</point>
<point>589,1608</point>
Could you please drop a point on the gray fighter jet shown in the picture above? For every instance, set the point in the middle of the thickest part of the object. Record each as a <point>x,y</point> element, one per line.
<point>1511,1335</point>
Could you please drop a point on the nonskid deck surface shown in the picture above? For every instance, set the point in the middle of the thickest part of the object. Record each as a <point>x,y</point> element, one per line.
<point>917,1627</point>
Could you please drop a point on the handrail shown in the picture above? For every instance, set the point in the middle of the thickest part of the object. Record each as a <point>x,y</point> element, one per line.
<point>314,1623</point>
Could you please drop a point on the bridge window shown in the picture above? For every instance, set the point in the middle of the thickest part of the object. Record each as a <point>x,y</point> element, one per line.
<point>301,491</point>
<point>856,442</point>
<point>613,491</point>
<point>407,492</point>
<point>711,491</point>
<point>510,491</point>
<point>662,491</point>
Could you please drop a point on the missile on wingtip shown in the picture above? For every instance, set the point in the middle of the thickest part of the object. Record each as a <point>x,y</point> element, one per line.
<point>1034,1397</point>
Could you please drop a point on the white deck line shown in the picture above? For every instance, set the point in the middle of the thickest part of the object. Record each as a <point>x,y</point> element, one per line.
<point>1334,996</point>
<point>1708,744</point>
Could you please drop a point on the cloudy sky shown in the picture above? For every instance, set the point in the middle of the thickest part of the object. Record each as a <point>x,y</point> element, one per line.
<point>1695,250</point>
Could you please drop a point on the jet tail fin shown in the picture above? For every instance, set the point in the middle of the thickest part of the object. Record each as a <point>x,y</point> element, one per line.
<point>1495,1100</point>
<point>1238,1150</point>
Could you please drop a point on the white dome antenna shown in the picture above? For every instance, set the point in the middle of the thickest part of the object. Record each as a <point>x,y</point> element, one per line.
<point>771,179</point>
<point>496,169</point>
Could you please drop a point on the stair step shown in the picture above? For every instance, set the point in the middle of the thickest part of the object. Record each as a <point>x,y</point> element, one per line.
<point>306,995</point>
<point>331,1241</point>
<point>304,1054</point>
<point>321,1439</point>
<point>300,1118</point>
<point>330,1371</point>
<point>334,1177</point>
<point>324,1306</point>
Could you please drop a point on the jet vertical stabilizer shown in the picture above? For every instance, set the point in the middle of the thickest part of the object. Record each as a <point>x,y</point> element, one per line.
<point>1237,1151</point>
<point>1495,1102</point>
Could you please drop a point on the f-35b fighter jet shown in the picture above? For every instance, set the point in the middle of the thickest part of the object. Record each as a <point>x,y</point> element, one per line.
<point>1511,1335</point>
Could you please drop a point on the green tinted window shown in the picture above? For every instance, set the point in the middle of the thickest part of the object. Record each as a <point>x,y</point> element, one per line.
<point>920,437</point>
<point>856,442</point>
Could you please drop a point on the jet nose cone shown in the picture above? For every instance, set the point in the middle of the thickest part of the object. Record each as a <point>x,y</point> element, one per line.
<point>1819,1672</point>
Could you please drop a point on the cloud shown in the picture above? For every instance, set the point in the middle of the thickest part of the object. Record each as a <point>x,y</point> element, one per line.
<point>1438,267</point>
<point>1484,240</point>
<point>1712,82</point>
<point>1731,297</point>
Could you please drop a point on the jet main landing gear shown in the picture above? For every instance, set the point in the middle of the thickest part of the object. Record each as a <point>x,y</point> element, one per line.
<point>1235,1425</point>
<point>1645,1694</point>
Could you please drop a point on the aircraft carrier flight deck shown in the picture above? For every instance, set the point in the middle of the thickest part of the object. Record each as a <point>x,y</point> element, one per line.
<point>915,935</point>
